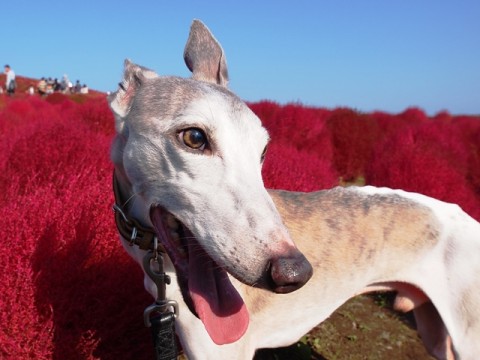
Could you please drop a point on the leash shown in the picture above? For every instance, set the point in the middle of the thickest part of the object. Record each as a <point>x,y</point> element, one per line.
<point>159,316</point>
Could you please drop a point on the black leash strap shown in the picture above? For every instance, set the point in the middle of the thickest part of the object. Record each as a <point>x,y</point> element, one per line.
<point>163,332</point>
<point>159,316</point>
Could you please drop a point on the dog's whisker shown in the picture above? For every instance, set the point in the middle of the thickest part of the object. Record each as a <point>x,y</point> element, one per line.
<point>129,199</point>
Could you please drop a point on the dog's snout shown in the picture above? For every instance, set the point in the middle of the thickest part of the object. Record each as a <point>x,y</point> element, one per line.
<point>289,273</point>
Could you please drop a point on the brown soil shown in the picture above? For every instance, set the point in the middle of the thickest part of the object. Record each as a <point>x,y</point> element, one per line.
<point>365,327</point>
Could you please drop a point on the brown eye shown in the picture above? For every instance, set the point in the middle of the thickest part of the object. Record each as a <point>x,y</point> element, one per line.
<point>194,138</point>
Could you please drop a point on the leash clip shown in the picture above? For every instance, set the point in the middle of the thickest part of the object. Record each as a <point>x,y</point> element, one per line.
<point>161,280</point>
<point>159,308</point>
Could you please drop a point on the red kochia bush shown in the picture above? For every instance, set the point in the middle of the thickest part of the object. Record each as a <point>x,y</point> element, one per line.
<point>353,135</point>
<point>291,169</point>
<point>57,98</point>
<point>301,151</point>
<point>429,159</point>
<point>97,115</point>
<point>19,118</point>
<point>469,127</point>
<point>266,111</point>
<point>69,291</point>
<point>297,125</point>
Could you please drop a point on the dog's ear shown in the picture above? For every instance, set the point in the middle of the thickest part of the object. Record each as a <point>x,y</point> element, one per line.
<point>204,56</point>
<point>121,100</point>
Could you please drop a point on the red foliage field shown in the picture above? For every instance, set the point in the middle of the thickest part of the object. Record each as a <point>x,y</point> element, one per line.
<point>68,289</point>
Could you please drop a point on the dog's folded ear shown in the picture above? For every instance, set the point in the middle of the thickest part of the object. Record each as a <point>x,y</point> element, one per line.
<point>121,100</point>
<point>204,56</point>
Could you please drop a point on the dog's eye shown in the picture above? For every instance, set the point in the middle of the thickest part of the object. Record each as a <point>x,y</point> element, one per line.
<point>262,157</point>
<point>194,138</point>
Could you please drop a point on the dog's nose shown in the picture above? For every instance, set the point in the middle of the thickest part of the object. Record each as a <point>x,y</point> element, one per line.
<point>289,273</point>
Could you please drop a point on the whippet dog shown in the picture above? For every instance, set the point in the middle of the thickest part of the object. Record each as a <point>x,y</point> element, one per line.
<point>188,155</point>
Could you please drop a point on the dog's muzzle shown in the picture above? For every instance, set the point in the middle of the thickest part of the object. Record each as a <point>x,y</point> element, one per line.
<point>288,273</point>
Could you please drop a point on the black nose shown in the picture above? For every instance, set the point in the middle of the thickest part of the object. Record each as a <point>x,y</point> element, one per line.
<point>289,273</point>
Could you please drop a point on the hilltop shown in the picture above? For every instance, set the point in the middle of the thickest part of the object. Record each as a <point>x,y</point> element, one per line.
<point>24,82</point>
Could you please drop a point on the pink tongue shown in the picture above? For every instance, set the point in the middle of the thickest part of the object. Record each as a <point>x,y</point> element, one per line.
<point>217,303</point>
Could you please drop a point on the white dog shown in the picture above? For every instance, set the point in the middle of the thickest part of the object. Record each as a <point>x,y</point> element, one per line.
<point>188,157</point>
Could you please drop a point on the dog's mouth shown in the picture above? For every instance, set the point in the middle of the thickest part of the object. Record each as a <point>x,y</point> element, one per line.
<point>205,285</point>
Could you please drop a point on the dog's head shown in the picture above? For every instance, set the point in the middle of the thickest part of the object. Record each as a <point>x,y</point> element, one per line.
<point>191,153</point>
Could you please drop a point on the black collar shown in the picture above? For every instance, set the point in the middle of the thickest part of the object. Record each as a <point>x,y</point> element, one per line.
<point>129,228</point>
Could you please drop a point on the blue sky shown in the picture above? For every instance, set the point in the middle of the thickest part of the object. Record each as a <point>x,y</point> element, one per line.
<point>367,55</point>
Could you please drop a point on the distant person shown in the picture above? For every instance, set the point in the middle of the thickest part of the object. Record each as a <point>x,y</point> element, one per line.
<point>42,87</point>
<point>64,84</point>
<point>56,85</point>
<point>84,89</point>
<point>10,82</point>
<point>78,87</point>
<point>49,86</point>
